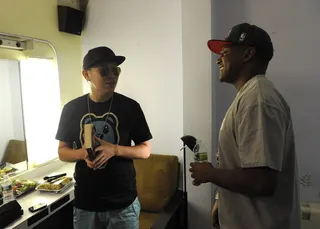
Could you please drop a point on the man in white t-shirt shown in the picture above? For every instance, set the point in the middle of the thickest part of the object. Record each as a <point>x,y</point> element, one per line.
<point>257,171</point>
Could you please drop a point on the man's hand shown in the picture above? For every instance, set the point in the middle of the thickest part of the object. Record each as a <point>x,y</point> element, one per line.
<point>85,157</point>
<point>214,213</point>
<point>104,152</point>
<point>89,163</point>
<point>201,172</point>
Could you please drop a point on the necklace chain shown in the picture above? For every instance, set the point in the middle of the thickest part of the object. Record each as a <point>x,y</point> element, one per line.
<point>106,120</point>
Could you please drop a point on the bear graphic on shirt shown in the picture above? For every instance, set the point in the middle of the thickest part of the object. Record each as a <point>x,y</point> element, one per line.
<point>105,126</point>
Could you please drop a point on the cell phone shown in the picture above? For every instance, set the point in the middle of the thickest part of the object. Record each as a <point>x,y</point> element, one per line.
<point>89,141</point>
<point>37,207</point>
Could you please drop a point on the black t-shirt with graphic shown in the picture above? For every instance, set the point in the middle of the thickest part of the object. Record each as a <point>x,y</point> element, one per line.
<point>114,185</point>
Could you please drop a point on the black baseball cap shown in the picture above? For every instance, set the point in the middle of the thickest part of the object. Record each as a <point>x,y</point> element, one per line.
<point>243,34</point>
<point>100,55</point>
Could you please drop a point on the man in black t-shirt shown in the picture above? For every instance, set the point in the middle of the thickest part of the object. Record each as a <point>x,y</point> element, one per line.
<point>105,189</point>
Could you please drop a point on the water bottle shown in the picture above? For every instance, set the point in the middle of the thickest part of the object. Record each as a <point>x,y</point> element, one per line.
<point>200,152</point>
<point>7,191</point>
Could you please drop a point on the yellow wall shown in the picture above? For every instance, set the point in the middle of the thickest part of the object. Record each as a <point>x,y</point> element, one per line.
<point>39,19</point>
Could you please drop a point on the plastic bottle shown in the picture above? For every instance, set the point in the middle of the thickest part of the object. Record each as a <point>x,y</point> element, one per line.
<point>200,152</point>
<point>7,191</point>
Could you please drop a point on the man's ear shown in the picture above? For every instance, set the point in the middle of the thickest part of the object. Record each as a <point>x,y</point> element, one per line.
<point>249,54</point>
<point>85,75</point>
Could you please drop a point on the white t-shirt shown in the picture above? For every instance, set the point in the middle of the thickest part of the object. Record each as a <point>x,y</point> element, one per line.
<point>257,132</point>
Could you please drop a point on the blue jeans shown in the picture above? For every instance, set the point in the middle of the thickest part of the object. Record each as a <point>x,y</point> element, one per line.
<point>125,218</point>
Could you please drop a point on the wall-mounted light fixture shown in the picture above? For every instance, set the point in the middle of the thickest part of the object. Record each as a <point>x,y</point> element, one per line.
<point>15,43</point>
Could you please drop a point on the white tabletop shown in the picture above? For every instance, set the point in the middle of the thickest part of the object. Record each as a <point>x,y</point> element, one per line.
<point>21,166</point>
<point>42,197</point>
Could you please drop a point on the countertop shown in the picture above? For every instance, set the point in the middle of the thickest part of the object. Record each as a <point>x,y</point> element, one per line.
<point>43,197</point>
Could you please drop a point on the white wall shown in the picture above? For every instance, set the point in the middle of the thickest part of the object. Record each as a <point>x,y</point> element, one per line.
<point>197,104</point>
<point>11,123</point>
<point>148,33</point>
<point>168,71</point>
<point>293,27</point>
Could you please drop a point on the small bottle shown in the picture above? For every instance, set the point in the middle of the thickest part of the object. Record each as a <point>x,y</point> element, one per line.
<point>200,152</point>
<point>7,191</point>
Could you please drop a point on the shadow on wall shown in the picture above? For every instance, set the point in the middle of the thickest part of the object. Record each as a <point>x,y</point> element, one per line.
<point>225,14</point>
<point>196,214</point>
<point>301,92</point>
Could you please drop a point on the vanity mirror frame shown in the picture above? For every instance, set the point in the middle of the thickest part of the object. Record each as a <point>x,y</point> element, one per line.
<point>17,38</point>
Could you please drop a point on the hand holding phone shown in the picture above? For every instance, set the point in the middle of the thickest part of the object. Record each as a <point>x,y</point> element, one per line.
<point>90,142</point>
<point>37,207</point>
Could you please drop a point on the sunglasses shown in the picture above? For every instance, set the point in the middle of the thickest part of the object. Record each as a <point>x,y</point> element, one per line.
<point>111,70</point>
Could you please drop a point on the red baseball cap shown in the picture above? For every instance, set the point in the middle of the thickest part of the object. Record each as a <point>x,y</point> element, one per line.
<point>242,34</point>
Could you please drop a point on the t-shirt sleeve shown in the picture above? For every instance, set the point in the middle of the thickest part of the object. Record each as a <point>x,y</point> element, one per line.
<point>261,137</point>
<point>140,131</point>
<point>64,132</point>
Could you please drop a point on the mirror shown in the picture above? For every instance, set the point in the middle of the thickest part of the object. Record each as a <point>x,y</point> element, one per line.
<point>13,151</point>
<point>29,103</point>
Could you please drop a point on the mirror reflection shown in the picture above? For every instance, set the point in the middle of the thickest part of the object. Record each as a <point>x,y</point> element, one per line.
<point>29,103</point>
<point>13,151</point>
